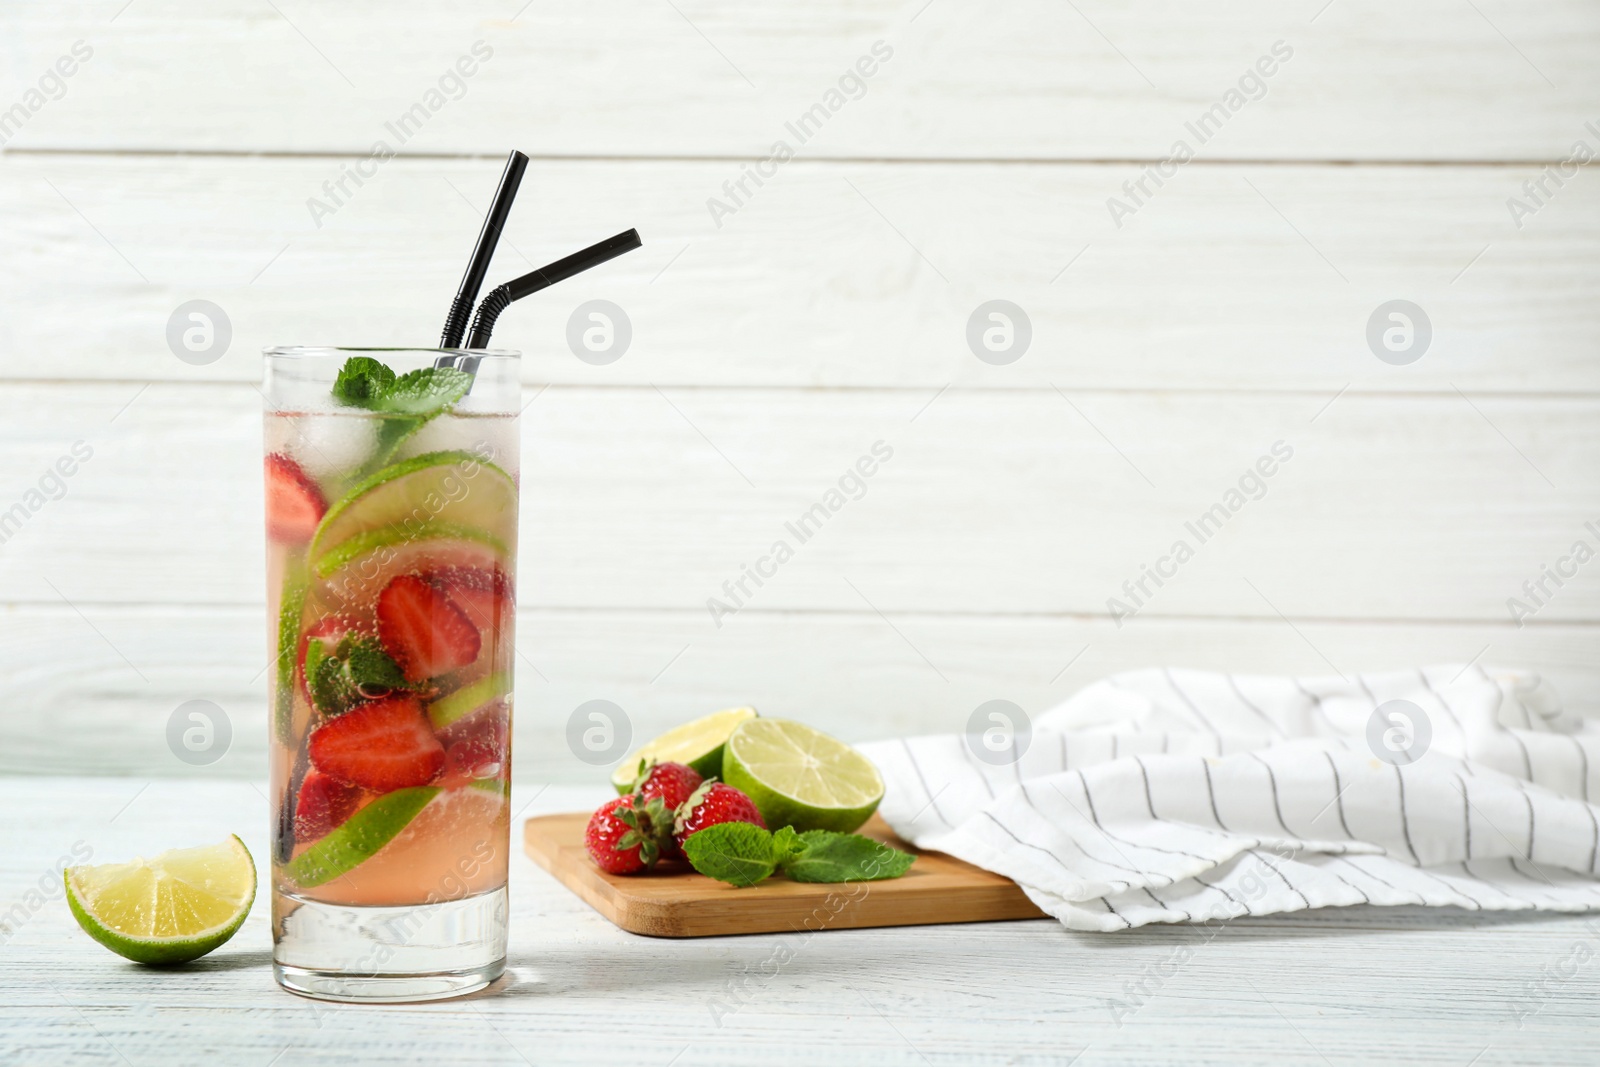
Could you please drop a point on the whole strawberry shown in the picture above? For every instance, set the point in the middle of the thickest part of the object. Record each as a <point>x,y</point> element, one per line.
<point>714,802</point>
<point>672,782</point>
<point>625,835</point>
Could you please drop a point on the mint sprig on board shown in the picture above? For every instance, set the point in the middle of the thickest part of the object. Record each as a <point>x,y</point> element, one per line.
<point>743,854</point>
<point>825,856</point>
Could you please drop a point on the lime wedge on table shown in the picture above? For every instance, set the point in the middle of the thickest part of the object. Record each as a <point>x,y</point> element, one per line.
<point>801,777</point>
<point>697,743</point>
<point>170,909</point>
<point>456,489</point>
<point>360,837</point>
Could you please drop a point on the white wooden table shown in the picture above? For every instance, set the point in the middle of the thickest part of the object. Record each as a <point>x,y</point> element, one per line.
<point>1352,985</point>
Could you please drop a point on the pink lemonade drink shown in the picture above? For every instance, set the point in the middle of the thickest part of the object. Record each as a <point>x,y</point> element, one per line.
<point>391,513</point>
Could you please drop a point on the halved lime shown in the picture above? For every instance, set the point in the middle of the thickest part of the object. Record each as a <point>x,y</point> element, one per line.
<point>170,909</point>
<point>801,777</point>
<point>697,743</point>
<point>361,836</point>
<point>455,488</point>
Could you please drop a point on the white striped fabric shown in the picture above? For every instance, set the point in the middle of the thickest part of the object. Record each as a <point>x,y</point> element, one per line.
<point>1181,796</point>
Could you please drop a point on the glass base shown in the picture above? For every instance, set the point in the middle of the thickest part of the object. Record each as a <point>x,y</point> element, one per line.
<point>385,989</point>
<point>388,954</point>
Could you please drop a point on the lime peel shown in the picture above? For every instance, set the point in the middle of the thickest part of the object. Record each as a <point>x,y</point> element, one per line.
<point>457,705</point>
<point>360,837</point>
<point>360,544</point>
<point>698,744</point>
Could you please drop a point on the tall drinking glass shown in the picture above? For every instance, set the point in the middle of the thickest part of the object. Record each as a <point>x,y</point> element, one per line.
<point>391,577</point>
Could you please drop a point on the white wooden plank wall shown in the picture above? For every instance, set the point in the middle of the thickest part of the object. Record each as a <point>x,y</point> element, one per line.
<point>774,345</point>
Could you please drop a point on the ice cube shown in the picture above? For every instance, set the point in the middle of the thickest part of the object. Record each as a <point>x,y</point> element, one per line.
<point>491,437</point>
<point>333,446</point>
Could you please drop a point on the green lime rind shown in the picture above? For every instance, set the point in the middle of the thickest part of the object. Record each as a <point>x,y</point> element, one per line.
<point>360,838</point>
<point>709,765</point>
<point>331,532</point>
<point>706,766</point>
<point>466,700</point>
<point>353,548</point>
<point>160,951</point>
<point>698,743</point>
<point>778,808</point>
<point>290,605</point>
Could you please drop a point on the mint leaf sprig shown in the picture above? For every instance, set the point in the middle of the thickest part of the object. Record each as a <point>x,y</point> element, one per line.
<point>361,381</point>
<point>743,854</point>
<point>355,671</point>
<point>410,399</point>
<point>364,382</point>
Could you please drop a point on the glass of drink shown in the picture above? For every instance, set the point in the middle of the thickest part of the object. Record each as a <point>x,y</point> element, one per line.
<point>391,481</point>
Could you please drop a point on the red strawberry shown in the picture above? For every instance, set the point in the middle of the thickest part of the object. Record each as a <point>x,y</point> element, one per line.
<point>383,745</point>
<point>714,802</point>
<point>484,596</point>
<point>422,630</point>
<point>624,835</point>
<point>475,747</point>
<point>323,803</point>
<point>294,503</point>
<point>674,783</point>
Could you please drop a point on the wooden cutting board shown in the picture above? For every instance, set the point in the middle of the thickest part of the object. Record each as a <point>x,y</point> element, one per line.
<point>677,902</point>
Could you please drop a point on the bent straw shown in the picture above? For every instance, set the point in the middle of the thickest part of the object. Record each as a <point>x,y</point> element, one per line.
<point>455,324</point>
<point>501,298</point>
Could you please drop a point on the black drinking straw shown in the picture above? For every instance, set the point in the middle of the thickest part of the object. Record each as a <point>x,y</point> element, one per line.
<point>455,326</point>
<point>499,299</point>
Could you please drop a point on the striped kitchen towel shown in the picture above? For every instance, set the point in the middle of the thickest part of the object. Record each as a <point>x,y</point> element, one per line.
<point>1181,796</point>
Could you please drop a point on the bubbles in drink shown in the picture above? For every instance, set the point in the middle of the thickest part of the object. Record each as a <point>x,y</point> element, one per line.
<point>392,552</point>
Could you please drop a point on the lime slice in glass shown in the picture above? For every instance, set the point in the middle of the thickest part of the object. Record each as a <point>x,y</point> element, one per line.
<point>290,604</point>
<point>697,743</point>
<point>170,909</point>
<point>376,548</point>
<point>467,699</point>
<point>801,777</point>
<point>449,490</point>
<point>360,837</point>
